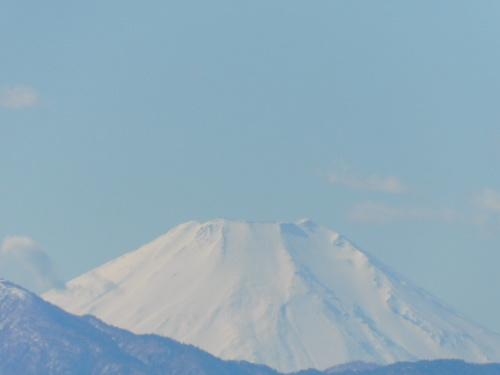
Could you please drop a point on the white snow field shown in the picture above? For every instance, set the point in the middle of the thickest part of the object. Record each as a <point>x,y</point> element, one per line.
<point>291,296</point>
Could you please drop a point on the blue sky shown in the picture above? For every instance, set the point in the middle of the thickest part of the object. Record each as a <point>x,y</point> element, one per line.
<point>380,120</point>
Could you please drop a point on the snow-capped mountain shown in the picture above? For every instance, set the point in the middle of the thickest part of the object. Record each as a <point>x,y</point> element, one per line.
<point>39,338</point>
<point>291,296</point>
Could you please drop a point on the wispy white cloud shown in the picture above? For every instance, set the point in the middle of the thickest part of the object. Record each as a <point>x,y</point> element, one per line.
<point>33,259</point>
<point>381,213</point>
<point>486,204</point>
<point>19,97</point>
<point>483,213</point>
<point>340,174</point>
<point>488,200</point>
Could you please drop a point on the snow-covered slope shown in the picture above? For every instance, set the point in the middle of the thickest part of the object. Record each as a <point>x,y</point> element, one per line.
<point>291,296</point>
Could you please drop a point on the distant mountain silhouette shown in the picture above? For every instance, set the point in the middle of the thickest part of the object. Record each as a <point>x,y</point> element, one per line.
<point>37,338</point>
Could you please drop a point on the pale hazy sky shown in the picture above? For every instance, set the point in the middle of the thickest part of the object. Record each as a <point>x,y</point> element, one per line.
<point>377,119</point>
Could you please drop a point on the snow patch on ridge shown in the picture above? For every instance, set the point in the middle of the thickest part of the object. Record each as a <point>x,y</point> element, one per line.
<point>10,290</point>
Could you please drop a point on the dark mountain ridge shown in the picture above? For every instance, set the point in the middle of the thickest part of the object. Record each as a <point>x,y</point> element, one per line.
<point>37,337</point>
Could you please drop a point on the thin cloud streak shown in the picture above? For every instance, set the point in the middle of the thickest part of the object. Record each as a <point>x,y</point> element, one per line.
<point>381,213</point>
<point>484,212</point>
<point>340,175</point>
<point>19,97</point>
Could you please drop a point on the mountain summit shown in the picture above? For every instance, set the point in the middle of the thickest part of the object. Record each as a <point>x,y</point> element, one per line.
<point>291,296</point>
